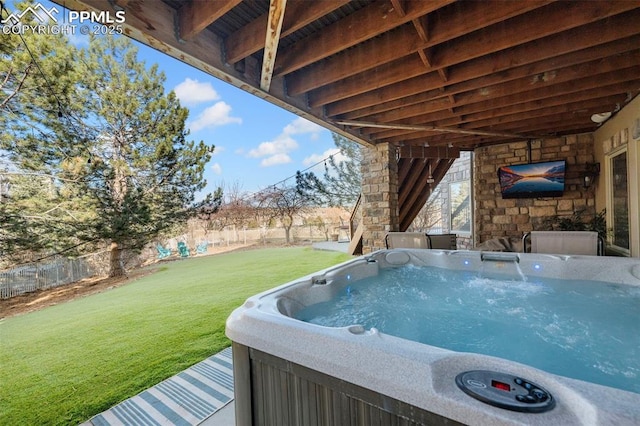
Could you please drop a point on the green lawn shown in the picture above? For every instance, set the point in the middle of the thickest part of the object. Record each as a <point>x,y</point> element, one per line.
<point>68,362</point>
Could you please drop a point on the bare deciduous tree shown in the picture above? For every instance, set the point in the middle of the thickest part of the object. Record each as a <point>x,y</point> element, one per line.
<point>284,204</point>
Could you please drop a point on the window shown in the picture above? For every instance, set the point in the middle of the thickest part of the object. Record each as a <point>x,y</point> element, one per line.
<point>460,202</point>
<point>618,201</point>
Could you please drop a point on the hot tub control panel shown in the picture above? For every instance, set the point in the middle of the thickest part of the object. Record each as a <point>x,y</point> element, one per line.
<point>505,391</point>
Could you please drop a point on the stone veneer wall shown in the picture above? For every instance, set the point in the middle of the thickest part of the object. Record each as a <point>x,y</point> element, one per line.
<point>495,217</point>
<point>379,196</point>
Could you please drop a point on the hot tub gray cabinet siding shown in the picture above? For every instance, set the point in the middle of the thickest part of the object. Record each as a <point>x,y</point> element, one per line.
<point>290,372</point>
<point>272,391</point>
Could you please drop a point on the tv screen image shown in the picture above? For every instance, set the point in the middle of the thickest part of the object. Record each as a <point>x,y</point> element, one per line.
<point>532,180</point>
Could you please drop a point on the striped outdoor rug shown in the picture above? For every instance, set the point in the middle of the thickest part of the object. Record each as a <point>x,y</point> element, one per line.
<point>185,399</point>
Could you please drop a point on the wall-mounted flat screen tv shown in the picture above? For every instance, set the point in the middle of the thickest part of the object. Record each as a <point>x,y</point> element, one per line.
<point>532,180</point>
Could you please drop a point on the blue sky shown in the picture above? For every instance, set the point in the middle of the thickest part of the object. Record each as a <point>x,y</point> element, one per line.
<point>257,144</point>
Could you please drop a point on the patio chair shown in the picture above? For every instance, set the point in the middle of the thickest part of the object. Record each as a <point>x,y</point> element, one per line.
<point>406,240</point>
<point>202,247</point>
<point>563,242</point>
<point>443,241</point>
<point>163,252</point>
<point>183,249</point>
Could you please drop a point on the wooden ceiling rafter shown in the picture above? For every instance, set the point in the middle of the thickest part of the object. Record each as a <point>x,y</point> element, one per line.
<point>545,97</point>
<point>421,25</point>
<point>194,17</point>
<point>400,43</point>
<point>571,107</point>
<point>249,39</point>
<point>465,48</point>
<point>427,100</point>
<point>523,29</point>
<point>399,7</point>
<point>619,64</point>
<point>617,28</point>
<point>272,38</point>
<point>362,25</point>
<point>436,129</point>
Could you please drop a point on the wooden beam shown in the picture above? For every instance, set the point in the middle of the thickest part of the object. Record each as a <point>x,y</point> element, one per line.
<point>410,151</point>
<point>570,107</point>
<point>492,115</point>
<point>510,88</point>
<point>405,41</point>
<point>396,115</point>
<point>422,28</point>
<point>250,38</point>
<point>424,56</point>
<point>429,100</point>
<point>195,16</point>
<point>399,7</point>
<point>468,48</point>
<point>420,171</point>
<point>540,23</point>
<point>362,25</point>
<point>274,26</point>
<point>430,129</point>
<point>614,29</point>
<point>419,195</point>
<point>589,87</point>
<point>385,75</point>
<point>405,165</point>
<point>565,112</point>
<point>527,109</point>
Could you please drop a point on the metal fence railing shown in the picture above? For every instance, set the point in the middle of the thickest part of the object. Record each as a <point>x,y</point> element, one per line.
<point>52,273</point>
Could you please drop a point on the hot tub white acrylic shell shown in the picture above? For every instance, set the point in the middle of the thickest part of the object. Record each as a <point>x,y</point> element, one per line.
<point>421,375</point>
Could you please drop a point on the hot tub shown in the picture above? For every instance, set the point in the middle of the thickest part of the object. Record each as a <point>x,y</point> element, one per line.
<point>292,372</point>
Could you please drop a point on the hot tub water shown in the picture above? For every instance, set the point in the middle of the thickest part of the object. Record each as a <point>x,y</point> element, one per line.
<point>580,329</point>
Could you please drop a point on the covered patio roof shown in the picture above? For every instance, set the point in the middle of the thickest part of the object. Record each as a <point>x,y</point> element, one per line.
<point>431,77</point>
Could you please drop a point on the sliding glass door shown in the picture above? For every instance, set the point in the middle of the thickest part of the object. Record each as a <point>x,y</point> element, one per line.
<point>618,202</point>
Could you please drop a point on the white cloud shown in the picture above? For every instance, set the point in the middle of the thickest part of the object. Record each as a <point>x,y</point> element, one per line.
<point>315,158</point>
<point>275,160</point>
<point>281,145</point>
<point>216,168</point>
<point>301,125</point>
<point>192,92</point>
<point>216,115</point>
<point>276,151</point>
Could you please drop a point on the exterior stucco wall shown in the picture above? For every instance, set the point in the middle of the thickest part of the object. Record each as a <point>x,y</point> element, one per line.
<point>622,131</point>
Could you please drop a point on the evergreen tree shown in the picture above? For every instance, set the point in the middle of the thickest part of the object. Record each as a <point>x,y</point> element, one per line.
<point>340,184</point>
<point>36,76</point>
<point>120,145</point>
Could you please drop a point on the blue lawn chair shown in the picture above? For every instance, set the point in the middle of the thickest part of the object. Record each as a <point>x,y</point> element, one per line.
<point>202,247</point>
<point>183,249</point>
<point>163,252</point>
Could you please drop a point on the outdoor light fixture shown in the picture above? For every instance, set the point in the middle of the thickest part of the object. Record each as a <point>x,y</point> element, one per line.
<point>430,178</point>
<point>600,117</point>
<point>592,170</point>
